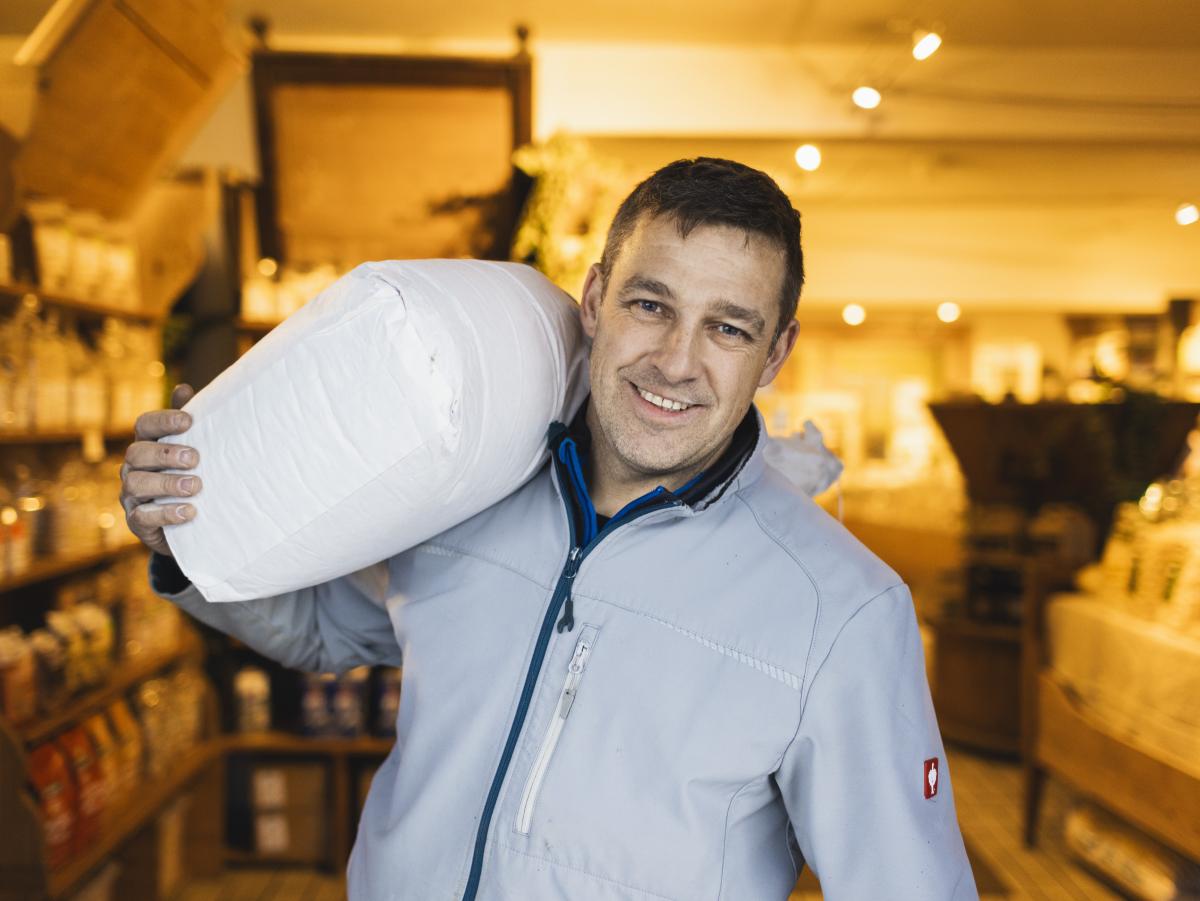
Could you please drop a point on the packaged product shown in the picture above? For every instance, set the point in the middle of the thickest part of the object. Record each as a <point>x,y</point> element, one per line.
<point>127,735</point>
<point>402,400</point>
<point>58,798</point>
<point>89,784</point>
<point>50,654</point>
<point>107,757</point>
<point>18,697</point>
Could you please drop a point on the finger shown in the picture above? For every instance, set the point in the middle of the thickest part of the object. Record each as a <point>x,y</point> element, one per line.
<point>158,423</point>
<point>156,455</point>
<point>151,485</point>
<point>181,395</point>
<point>148,517</point>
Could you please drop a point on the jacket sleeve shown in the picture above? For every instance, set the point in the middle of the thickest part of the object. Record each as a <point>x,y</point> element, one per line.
<point>331,627</point>
<point>854,777</point>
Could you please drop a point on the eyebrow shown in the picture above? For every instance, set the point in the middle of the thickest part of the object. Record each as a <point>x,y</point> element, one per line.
<point>724,308</point>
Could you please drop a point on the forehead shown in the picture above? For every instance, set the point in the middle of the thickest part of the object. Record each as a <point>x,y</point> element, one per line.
<point>714,262</point>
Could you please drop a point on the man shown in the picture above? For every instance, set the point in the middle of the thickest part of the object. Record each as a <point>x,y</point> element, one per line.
<point>656,671</point>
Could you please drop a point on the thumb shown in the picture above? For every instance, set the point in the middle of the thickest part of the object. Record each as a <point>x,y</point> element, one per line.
<point>181,395</point>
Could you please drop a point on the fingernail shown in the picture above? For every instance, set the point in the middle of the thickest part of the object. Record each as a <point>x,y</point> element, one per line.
<point>184,512</point>
<point>181,422</point>
<point>187,457</point>
<point>188,484</point>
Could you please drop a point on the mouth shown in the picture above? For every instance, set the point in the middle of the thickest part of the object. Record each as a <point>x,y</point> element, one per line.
<point>660,406</point>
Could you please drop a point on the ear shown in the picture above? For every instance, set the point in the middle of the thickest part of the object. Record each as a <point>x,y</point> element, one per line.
<point>589,305</point>
<point>780,351</point>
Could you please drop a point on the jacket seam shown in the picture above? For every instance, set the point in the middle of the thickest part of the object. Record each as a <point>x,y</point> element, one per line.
<point>588,873</point>
<point>961,873</point>
<point>484,558</point>
<point>768,669</point>
<point>725,836</point>
<point>828,654</point>
<point>812,639</point>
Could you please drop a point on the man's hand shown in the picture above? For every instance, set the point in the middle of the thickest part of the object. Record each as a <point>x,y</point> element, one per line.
<point>142,480</point>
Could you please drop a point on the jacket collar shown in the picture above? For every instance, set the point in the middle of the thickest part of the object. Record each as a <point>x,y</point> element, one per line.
<point>740,464</point>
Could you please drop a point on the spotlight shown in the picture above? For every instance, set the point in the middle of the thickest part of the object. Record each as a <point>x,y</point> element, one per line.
<point>866,98</point>
<point>808,157</point>
<point>925,44</point>
<point>1187,214</point>
<point>853,314</point>
<point>948,312</point>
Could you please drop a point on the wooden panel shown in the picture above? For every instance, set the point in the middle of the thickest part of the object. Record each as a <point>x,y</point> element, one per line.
<point>371,172</point>
<point>369,157</point>
<point>191,31</point>
<point>976,689</point>
<point>1161,797</point>
<point>116,102</point>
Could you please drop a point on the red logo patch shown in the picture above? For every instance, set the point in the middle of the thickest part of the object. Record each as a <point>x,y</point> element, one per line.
<point>931,777</point>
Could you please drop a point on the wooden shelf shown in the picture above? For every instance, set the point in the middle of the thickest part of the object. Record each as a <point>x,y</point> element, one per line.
<point>125,675</point>
<point>53,567</point>
<point>86,308</point>
<point>969,628</point>
<point>68,437</point>
<point>299,745</point>
<point>253,327</point>
<point>120,824</point>
<point>253,858</point>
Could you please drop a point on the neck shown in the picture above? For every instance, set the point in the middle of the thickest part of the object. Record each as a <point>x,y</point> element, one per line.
<point>613,484</point>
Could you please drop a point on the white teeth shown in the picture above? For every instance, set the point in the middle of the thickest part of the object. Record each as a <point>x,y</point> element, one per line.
<point>664,402</point>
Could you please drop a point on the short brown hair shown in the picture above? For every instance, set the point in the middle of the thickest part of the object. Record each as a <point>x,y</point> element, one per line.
<point>710,191</point>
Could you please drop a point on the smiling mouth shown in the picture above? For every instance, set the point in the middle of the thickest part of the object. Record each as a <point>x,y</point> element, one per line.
<point>666,404</point>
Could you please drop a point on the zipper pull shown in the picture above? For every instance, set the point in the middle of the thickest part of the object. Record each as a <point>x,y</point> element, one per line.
<point>574,669</point>
<point>567,622</point>
<point>580,657</point>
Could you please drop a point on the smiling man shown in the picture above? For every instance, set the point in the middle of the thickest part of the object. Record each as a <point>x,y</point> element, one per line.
<point>656,671</point>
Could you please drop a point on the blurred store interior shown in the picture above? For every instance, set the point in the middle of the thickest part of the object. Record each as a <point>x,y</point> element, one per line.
<point>1000,338</point>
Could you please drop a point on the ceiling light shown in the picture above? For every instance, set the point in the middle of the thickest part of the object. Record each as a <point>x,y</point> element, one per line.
<point>925,44</point>
<point>267,267</point>
<point>948,312</point>
<point>853,314</point>
<point>808,157</point>
<point>1187,214</point>
<point>866,98</point>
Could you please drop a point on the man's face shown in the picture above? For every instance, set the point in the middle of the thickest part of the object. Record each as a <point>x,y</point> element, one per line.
<point>682,322</point>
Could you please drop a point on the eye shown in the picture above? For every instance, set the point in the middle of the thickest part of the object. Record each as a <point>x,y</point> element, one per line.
<point>731,331</point>
<point>648,306</point>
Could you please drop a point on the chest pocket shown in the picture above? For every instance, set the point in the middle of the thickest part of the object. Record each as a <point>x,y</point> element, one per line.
<point>629,776</point>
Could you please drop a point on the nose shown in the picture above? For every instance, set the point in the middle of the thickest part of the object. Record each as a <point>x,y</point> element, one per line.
<point>678,357</point>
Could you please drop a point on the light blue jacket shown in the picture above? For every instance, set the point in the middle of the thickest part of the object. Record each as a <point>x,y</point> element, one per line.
<point>742,689</point>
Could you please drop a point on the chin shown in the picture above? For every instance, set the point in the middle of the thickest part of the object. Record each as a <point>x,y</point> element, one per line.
<point>656,461</point>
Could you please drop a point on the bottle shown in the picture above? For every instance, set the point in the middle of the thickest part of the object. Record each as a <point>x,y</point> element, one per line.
<point>252,692</point>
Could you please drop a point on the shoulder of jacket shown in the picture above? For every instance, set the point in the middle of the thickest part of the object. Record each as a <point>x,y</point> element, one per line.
<point>844,573</point>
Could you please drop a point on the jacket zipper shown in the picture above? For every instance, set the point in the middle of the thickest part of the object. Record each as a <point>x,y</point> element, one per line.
<point>566,699</point>
<point>562,592</point>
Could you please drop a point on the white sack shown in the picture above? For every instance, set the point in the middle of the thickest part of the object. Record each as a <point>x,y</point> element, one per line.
<point>804,459</point>
<point>399,402</point>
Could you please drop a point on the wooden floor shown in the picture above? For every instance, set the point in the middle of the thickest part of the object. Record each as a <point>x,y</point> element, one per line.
<point>988,795</point>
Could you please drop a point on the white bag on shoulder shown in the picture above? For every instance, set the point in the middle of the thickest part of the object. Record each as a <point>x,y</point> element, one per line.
<point>404,399</point>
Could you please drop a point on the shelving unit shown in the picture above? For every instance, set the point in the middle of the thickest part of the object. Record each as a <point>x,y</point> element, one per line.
<point>27,439</point>
<point>130,830</point>
<point>127,674</point>
<point>123,823</point>
<point>341,756</point>
<point>13,292</point>
<point>123,828</point>
<point>55,567</point>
